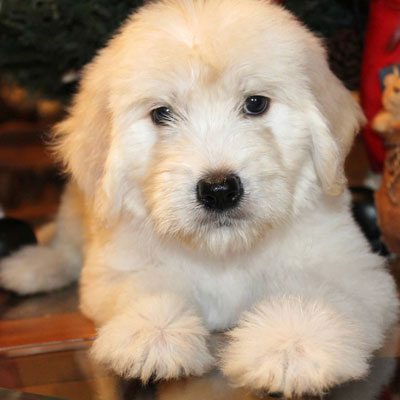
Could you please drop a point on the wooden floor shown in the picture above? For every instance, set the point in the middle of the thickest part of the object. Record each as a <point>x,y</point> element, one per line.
<point>30,180</point>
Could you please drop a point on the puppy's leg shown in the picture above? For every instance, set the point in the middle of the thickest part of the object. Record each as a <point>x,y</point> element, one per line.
<point>310,334</point>
<point>51,265</point>
<point>157,336</point>
<point>147,328</point>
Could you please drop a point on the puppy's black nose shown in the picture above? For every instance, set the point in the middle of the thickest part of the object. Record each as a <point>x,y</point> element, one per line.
<point>219,192</point>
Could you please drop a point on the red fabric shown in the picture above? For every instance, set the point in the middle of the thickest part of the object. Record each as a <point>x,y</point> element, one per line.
<point>384,20</point>
<point>386,394</point>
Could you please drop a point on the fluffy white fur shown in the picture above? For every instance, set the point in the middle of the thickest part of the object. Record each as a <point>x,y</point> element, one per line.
<point>158,337</point>
<point>288,271</point>
<point>213,386</point>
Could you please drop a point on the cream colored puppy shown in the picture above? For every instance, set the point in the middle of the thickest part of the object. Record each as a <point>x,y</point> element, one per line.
<point>206,149</point>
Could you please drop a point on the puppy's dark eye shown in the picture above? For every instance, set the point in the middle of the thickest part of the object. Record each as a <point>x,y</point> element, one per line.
<point>162,115</point>
<point>255,105</point>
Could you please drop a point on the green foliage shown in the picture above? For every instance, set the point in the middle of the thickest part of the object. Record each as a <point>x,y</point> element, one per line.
<point>341,23</point>
<point>43,40</point>
<point>327,17</point>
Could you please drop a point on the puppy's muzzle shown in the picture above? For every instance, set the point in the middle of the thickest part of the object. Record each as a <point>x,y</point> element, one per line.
<point>219,192</point>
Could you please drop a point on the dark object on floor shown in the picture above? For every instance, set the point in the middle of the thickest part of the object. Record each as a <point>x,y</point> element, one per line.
<point>13,235</point>
<point>364,212</point>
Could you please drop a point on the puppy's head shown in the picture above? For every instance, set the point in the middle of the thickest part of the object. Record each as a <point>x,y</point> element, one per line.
<point>216,120</point>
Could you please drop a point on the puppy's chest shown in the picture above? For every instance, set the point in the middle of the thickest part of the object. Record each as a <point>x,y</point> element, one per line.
<point>222,296</point>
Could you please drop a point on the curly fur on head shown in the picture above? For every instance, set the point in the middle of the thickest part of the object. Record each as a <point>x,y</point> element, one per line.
<point>203,61</point>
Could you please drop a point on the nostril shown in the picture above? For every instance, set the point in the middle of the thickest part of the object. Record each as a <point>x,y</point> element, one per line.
<point>219,192</point>
<point>276,395</point>
<point>231,196</point>
<point>210,200</point>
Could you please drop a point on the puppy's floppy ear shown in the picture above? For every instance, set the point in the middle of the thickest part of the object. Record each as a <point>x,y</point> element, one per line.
<point>335,120</point>
<point>82,140</point>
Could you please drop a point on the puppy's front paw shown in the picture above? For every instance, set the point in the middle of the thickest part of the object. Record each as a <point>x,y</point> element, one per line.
<point>159,337</point>
<point>294,347</point>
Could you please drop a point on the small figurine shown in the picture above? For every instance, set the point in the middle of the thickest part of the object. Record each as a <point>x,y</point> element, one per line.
<point>387,124</point>
<point>387,121</point>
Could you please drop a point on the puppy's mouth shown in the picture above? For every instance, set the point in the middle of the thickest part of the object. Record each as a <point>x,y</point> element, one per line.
<point>227,219</point>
